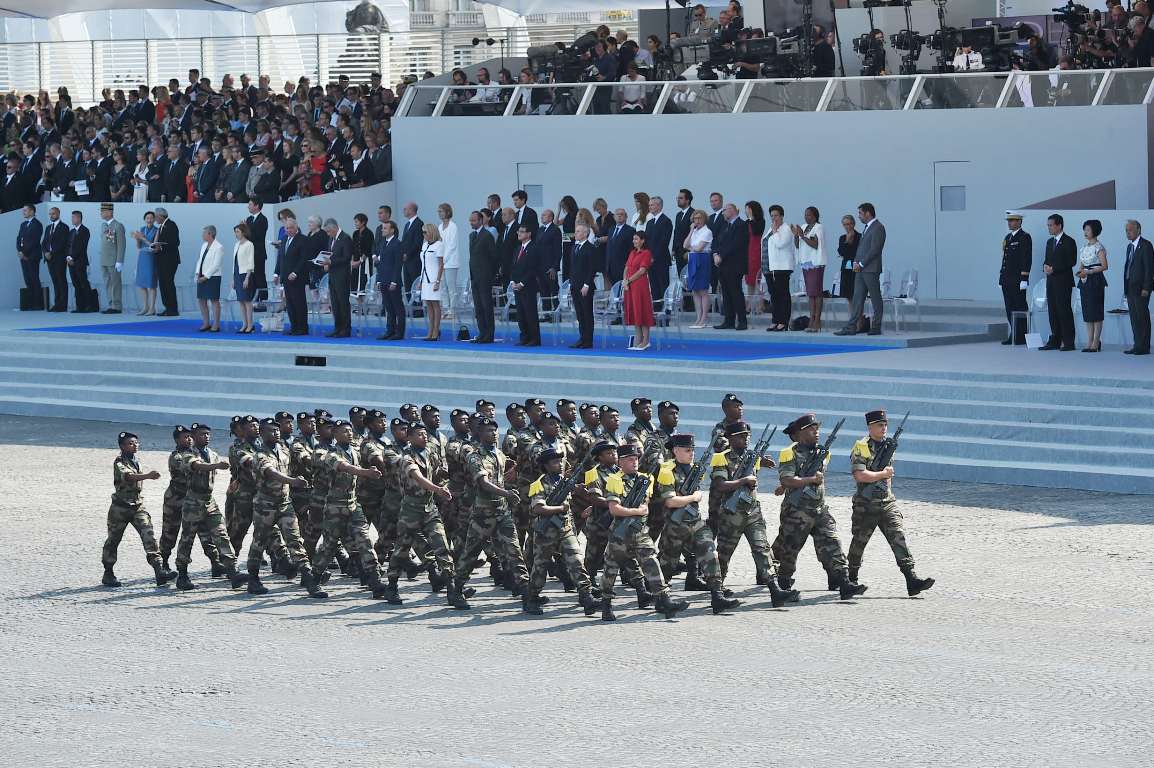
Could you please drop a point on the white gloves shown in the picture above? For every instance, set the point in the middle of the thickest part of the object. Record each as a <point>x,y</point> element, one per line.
<point>119,267</point>
<point>1023,285</point>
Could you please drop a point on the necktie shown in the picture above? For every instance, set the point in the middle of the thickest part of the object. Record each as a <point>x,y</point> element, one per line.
<point>1129,256</point>
<point>521,253</point>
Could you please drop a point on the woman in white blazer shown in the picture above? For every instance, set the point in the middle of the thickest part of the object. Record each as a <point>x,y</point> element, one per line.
<point>451,253</point>
<point>208,265</point>
<point>432,275</point>
<point>811,259</point>
<point>244,264</point>
<point>780,261</point>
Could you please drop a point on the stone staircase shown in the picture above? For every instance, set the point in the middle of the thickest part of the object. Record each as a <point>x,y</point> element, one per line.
<point>1001,428</point>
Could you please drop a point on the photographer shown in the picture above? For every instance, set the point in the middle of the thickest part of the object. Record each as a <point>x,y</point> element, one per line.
<point>1038,56</point>
<point>873,53</point>
<point>748,65</point>
<point>965,60</point>
<point>605,64</point>
<point>1138,49</point>
<point>824,61</point>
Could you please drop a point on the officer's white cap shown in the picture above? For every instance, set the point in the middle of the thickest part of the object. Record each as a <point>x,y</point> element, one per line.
<point>1013,215</point>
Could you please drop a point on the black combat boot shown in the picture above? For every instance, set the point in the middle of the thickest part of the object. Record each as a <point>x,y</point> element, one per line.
<point>693,581</point>
<point>379,588</point>
<point>183,583</point>
<point>413,569</point>
<point>456,600</point>
<point>595,591</point>
<point>497,573</point>
<point>343,562</point>
<point>289,569</point>
<point>217,569</point>
<point>785,582</point>
<point>719,603</point>
<point>391,595</point>
<point>167,569</point>
<point>588,603</point>
<point>644,597</point>
<point>324,576</point>
<point>163,575</point>
<point>778,597</point>
<point>853,572</point>
<point>914,585</point>
<point>563,576</point>
<point>309,582</point>
<point>847,588</point>
<point>669,607</point>
<point>530,605</point>
<point>607,609</point>
<point>109,579</point>
<point>255,587</point>
<point>833,581</point>
<point>437,579</point>
<point>762,579</point>
<point>236,579</point>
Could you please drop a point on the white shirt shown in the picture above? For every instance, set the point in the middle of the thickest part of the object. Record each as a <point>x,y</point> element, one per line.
<point>968,62</point>
<point>487,93</point>
<point>634,89</point>
<point>700,240</point>
<point>449,250</point>
<point>781,254</point>
<point>808,256</point>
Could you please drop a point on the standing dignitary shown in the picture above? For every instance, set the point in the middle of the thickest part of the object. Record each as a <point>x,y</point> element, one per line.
<point>166,246</point>
<point>78,264</point>
<point>731,257</point>
<point>1014,278</point>
<point>390,258</point>
<point>1138,282</point>
<point>524,277</point>
<point>112,242</point>
<point>582,272</point>
<point>128,509</point>
<point>412,239</point>
<point>484,263</point>
<point>1061,256</point>
<point>867,272</point>
<point>295,267</point>
<point>658,233</point>
<point>258,236</point>
<point>340,246</point>
<point>28,248</point>
<point>57,237</point>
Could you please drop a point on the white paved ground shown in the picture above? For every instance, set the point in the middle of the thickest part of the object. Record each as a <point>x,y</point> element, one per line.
<point>1034,649</point>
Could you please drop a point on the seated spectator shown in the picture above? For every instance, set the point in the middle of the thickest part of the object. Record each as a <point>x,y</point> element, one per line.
<point>632,96</point>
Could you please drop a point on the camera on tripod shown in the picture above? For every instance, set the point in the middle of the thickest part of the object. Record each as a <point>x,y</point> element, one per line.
<point>871,48</point>
<point>908,40</point>
<point>1073,15</point>
<point>563,63</point>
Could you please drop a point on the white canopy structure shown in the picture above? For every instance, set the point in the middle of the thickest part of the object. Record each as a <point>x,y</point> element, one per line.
<point>42,10</point>
<point>526,7</point>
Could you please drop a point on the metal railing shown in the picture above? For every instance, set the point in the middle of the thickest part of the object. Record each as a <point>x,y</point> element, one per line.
<point>970,90</point>
<point>85,67</point>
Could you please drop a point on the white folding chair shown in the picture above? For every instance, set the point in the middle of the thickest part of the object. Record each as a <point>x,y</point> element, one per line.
<point>608,308</point>
<point>672,293</point>
<point>1037,303</point>
<point>907,296</point>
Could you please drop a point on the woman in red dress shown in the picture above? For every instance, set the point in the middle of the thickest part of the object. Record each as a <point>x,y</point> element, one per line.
<point>638,300</point>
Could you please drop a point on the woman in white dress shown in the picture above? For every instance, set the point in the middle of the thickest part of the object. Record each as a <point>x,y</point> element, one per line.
<point>451,253</point>
<point>140,178</point>
<point>432,273</point>
<point>811,259</point>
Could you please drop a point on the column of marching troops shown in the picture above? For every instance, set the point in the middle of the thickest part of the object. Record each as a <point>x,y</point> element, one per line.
<point>517,500</point>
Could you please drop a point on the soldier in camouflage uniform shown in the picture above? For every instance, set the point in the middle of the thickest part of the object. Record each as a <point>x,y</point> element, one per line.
<point>628,538</point>
<point>422,474</point>
<point>242,489</point>
<point>409,413</point>
<point>875,506</point>
<point>551,439</point>
<point>273,510</point>
<point>321,481</point>
<point>527,438</point>
<point>596,513</point>
<point>804,512</point>
<point>390,465</point>
<point>684,526</point>
<point>301,465</point>
<point>438,444</point>
<point>200,511</point>
<point>487,408</point>
<point>610,423</point>
<point>174,501</point>
<point>746,520</point>
<point>127,509</point>
<point>642,427</point>
<point>553,535</point>
<point>732,409</point>
<point>357,418</point>
<point>535,413</point>
<point>457,449</point>
<point>343,516</point>
<point>371,491</point>
<point>567,413</point>
<point>491,516</point>
<point>654,453</point>
<point>590,432</point>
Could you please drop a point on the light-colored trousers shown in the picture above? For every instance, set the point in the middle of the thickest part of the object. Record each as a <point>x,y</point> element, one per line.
<point>112,285</point>
<point>449,297</point>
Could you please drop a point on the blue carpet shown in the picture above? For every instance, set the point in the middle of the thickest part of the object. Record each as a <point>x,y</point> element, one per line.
<point>691,349</point>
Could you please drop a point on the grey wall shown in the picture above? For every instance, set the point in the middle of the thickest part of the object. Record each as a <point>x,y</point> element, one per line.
<point>1004,158</point>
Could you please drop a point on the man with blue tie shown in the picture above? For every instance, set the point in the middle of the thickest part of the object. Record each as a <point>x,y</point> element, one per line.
<point>295,270</point>
<point>28,248</point>
<point>549,246</point>
<point>1061,255</point>
<point>389,257</point>
<point>582,270</point>
<point>618,248</point>
<point>484,263</point>
<point>1138,282</point>
<point>206,175</point>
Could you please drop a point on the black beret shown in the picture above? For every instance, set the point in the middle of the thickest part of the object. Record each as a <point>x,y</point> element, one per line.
<point>126,436</point>
<point>666,405</point>
<point>457,412</point>
<point>415,425</point>
<point>511,407</point>
<point>587,407</point>
<point>322,412</point>
<point>430,409</point>
<point>731,398</point>
<point>800,423</point>
<point>550,417</point>
<point>603,446</point>
<point>736,428</point>
<point>341,423</point>
<point>197,426</point>
<point>235,420</point>
<point>680,441</point>
<point>179,430</point>
<point>637,402</point>
<point>485,404</point>
<point>270,422</point>
<point>399,423</point>
<point>487,422</point>
<point>357,410</point>
<point>477,415</point>
<point>408,407</point>
<point>606,409</point>
<point>374,414</point>
<point>548,455</point>
<point>534,401</point>
<point>875,416</point>
<point>282,415</point>
<point>324,421</point>
<point>304,415</point>
<point>250,419</point>
<point>627,450</point>
<point>563,402</point>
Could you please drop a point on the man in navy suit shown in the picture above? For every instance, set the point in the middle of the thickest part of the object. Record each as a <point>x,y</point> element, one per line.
<point>524,215</point>
<point>658,233</point>
<point>295,275</point>
<point>411,240</point>
<point>582,271</point>
<point>389,256</point>
<point>78,263</point>
<point>55,249</point>
<point>618,247</point>
<point>549,250</point>
<point>28,248</point>
<point>731,255</point>
<point>340,246</point>
<point>484,262</point>
<point>523,275</point>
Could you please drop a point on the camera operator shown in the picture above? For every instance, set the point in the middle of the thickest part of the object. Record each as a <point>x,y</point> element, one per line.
<point>748,65</point>
<point>824,60</point>
<point>873,63</point>
<point>965,60</point>
<point>605,64</point>
<point>1038,56</point>
<point>1096,49</point>
<point>1137,49</point>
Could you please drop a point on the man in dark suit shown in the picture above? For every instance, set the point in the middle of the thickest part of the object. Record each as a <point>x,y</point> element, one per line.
<point>548,244</point>
<point>258,234</point>
<point>484,263</point>
<point>156,165</point>
<point>28,248</point>
<point>867,273</point>
<point>295,271</point>
<point>582,273</point>
<point>55,249</point>
<point>390,257</point>
<point>507,245</point>
<point>14,192</point>
<point>1014,278</point>
<point>206,175</point>
<point>524,278</point>
<point>493,205</point>
<point>617,248</point>
<point>715,221</point>
<point>658,233</point>
<point>78,263</point>
<point>1061,255</point>
<point>1138,279</point>
<point>731,256</point>
<point>100,183</point>
<point>411,241</point>
<point>524,214</point>
<point>358,171</point>
<point>341,248</point>
<point>682,223</point>
<point>175,173</point>
<point>166,247</point>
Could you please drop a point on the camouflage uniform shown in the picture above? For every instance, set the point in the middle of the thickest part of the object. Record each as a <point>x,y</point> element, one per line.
<point>491,518</point>
<point>173,502</point>
<point>808,517</point>
<point>419,516</point>
<point>371,492</point>
<point>881,511</point>
<point>747,521</point>
<point>629,539</point>
<point>127,509</point>
<point>301,465</point>
<point>200,511</point>
<point>526,440</point>
<point>639,433</point>
<point>597,526</point>
<point>343,517</point>
<point>456,515</point>
<point>239,516</point>
<point>684,528</point>
<point>586,439</point>
<point>553,534</point>
<point>654,454</point>
<point>321,481</point>
<point>272,509</point>
<point>390,501</point>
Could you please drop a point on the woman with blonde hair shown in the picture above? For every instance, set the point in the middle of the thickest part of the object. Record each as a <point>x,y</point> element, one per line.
<point>432,273</point>
<point>450,254</point>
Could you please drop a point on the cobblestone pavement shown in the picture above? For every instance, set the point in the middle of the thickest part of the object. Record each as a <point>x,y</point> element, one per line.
<point>1034,649</point>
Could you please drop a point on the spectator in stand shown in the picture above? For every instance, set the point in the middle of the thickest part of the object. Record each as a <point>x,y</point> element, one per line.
<point>781,257</point>
<point>811,258</point>
<point>361,278</point>
<point>606,65</point>
<point>755,215</point>
<point>701,23</point>
<point>698,244</point>
<point>847,252</point>
<point>637,298</point>
<point>243,276</point>
<point>450,255</point>
<point>632,95</point>
<point>146,264</point>
<point>140,177</point>
<point>432,274</point>
<point>207,276</point>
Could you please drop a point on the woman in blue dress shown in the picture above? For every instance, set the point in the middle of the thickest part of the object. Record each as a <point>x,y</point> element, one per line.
<point>146,265</point>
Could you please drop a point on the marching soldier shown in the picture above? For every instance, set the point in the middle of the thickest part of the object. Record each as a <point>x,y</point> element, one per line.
<point>272,509</point>
<point>371,490</point>
<point>610,423</point>
<point>321,480</point>
<point>590,432</point>
<point>409,413</point>
<point>629,539</point>
<point>878,509</point>
<point>1014,277</point>
<point>390,466</point>
<point>456,451</point>
<point>551,439</point>
<point>174,501</point>
<point>567,413</point>
<point>553,535</point>
<point>487,409</point>
<point>242,488</point>
<point>301,465</point>
<point>596,514</point>
<point>684,526</point>
<point>535,412</point>
<point>655,453</point>
<point>733,411</point>
<point>200,511</point>
<point>422,474</point>
<point>360,431</point>
<point>804,513</point>
<point>642,427</point>
<point>527,436</point>
<point>746,520</point>
<point>127,509</point>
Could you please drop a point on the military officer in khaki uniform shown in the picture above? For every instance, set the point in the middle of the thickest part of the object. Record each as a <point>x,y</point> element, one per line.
<point>127,509</point>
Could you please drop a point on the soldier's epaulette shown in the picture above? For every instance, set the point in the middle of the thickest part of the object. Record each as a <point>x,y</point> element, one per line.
<point>615,484</point>
<point>665,473</point>
<point>862,448</point>
<point>720,459</point>
<point>591,476</point>
<point>535,487</point>
<point>786,454</point>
